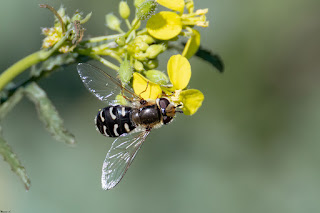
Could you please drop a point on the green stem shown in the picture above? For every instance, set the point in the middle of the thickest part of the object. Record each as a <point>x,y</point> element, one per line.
<point>98,58</point>
<point>17,68</point>
<point>102,38</point>
<point>9,74</point>
<point>105,62</point>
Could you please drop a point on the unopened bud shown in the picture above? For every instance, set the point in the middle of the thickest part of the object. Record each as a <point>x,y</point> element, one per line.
<point>137,3</point>
<point>113,22</point>
<point>138,65</point>
<point>157,77</point>
<point>121,41</point>
<point>140,56</point>
<point>146,9</point>
<point>146,38</point>
<point>154,50</point>
<point>124,10</point>
<point>125,71</point>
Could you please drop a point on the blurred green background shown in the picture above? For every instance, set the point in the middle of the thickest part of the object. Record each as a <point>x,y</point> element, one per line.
<point>253,146</point>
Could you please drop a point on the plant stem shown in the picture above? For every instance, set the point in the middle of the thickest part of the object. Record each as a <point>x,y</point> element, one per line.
<point>9,74</point>
<point>17,68</point>
<point>99,58</point>
<point>105,62</point>
<point>102,38</point>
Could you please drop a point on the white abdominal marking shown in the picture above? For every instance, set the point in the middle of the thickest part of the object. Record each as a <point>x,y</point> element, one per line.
<point>113,116</point>
<point>115,127</point>
<point>126,126</point>
<point>123,112</point>
<point>101,117</point>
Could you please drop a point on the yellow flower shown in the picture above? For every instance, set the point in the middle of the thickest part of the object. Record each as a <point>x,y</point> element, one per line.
<point>179,71</point>
<point>145,88</point>
<point>164,25</point>
<point>192,100</point>
<point>176,5</point>
<point>192,45</point>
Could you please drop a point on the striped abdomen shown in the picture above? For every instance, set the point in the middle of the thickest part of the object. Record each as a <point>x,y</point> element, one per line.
<point>114,121</point>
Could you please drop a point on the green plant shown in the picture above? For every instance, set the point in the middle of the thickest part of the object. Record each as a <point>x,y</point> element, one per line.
<point>136,51</point>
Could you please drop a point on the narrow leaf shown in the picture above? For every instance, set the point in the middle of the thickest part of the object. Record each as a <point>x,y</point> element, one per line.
<point>48,114</point>
<point>13,161</point>
<point>6,107</point>
<point>214,59</point>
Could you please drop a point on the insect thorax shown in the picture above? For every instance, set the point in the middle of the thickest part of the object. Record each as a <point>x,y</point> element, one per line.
<point>114,121</point>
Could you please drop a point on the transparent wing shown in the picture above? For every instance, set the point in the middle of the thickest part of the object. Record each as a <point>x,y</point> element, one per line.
<point>102,85</point>
<point>120,157</point>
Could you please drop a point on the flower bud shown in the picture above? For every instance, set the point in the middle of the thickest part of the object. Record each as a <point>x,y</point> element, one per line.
<point>140,56</point>
<point>146,38</point>
<point>137,3</point>
<point>113,22</point>
<point>125,71</point>
<point>154,50</point>
<point>157,77</point>
<point>138,65</point>
<point>120,100</point>
<point>146,9</point>
<point>124,10</point>
<point>121,41</point>
<point>76,17</point>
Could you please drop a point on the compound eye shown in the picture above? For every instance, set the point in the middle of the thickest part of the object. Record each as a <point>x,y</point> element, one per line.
<point>166,119</point>
<point>163,103</point>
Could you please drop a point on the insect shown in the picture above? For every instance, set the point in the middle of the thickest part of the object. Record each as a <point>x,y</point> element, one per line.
<point>129,124</point>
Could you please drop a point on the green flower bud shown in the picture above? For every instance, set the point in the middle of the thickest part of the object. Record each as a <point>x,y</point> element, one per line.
<point>125,71</point>
<point>138,65</point>
<point>113,22</point>
<point>154,50</point>
<point>137,3</point>
<point>143,46</point>
<point>146,9</point>
<point>146,38</point>
<point>120,100</point>
<point>157,77</point>
<point>140,56</point>
<point>152,64</point>
<point>121,41</point>
<point>124,10</point>
<point>76,17</point>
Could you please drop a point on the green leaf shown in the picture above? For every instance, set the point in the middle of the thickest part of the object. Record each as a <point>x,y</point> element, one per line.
<point>54,62</point>
<point>6,107</point>
<point>12,159</point>
<point>48,114</point>
<point>214,59</point>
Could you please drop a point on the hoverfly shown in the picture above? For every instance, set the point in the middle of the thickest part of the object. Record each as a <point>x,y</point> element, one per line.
<point>130,124</point>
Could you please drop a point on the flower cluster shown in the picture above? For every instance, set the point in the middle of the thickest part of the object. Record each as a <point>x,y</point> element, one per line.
<point>64,26</point>
<point>163,27</point>
<point>137,49</point>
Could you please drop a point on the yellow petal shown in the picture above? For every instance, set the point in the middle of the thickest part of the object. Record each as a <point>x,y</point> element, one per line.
<point>164,25</point>
<point>177,5</point>
<point>179,71</point>
<point>145,88</point>
<point>192,100</point>
<point>192,45</point>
